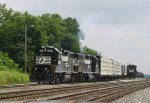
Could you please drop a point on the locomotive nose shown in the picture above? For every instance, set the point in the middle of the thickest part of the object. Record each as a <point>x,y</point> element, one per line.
<point>43,60</point>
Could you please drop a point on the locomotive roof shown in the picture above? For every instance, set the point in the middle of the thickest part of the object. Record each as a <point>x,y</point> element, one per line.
<point>52,48</point>
<point>94,57</point>
<point>132,65</point>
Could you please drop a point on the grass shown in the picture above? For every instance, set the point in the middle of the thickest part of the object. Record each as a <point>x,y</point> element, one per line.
<point>13,77</point>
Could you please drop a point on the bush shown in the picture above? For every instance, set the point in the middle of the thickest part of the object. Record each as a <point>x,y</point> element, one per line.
<point>6,62</point>
<point>13,77</point>
<point>9,71</point>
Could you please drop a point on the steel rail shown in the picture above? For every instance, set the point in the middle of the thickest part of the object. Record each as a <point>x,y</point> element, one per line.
<point>32,94</point>
<point>113,95</point>
<point>75,96</point>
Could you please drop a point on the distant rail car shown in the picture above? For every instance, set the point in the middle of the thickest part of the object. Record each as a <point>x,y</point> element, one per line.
<point>131,71</point>
<point>55,65</point>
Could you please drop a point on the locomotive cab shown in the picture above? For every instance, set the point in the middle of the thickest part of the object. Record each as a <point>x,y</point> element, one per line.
<point>95,67</point>
<point>46,60</point>
<point>131,71</point>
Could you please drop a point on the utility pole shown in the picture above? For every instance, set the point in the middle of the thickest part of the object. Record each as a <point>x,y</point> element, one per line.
<point>25,49</point>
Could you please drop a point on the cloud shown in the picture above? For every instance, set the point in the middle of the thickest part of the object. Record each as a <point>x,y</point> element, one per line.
<point>121,42</point>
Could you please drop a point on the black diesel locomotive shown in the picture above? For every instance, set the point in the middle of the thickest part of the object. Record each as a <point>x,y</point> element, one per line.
<point>54,65</point>
<point>132,72</point>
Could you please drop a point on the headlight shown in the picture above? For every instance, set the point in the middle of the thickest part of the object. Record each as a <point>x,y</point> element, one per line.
<point>35,69</point>
<point>45,69</point>
<point>66,65</point>
<point>88,66</point>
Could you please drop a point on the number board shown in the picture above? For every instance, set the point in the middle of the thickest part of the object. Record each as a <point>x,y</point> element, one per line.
<point>49,50</point>
<point>41,50</point>
<point>46,50</point>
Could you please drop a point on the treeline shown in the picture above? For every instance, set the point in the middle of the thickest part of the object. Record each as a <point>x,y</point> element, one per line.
<point>47,29</point>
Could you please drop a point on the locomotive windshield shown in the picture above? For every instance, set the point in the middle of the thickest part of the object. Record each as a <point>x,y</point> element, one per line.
<point>47,55</point>
<point>42,54</point>
<point>45,52</point>
<point>131,70</point>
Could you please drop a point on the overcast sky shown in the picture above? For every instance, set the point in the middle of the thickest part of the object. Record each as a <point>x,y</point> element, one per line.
<point>119,29</point>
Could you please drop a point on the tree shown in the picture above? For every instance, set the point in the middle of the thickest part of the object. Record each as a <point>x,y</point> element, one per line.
<point>53,25</point>
<point>87,50</point>
<point>6,63</point>
<point>72,38</point>
<point>5,14</point>
<point>70,42</point>
<point>49,29</point>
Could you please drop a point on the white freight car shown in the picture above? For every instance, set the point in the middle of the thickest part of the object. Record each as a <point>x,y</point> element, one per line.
<point>110,67</point>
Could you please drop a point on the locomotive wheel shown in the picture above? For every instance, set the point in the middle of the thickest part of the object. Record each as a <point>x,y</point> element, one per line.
<point>94,78</point>
<point>57,78</point>
<point>62,77</point>
<point>83,78</point>
<point>73,79</point>
<point>87,77</point>
<point>50,80</point>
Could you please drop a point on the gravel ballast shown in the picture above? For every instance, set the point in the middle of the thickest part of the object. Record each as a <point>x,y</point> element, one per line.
<point>141,96</point>
<point>48,86</point>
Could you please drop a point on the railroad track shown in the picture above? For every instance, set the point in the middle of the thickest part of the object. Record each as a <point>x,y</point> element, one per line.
<point>27,85</point>
<point>72,93</point>
<point>2,87</point>
<point>118,92</point>
<point>17,85</point>
<point>31,94</point>
<point>104,94</point>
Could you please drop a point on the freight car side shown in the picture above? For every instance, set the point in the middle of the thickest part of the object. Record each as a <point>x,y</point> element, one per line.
<point>110,69</point>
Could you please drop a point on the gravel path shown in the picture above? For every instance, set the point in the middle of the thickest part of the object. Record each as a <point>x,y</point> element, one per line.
<point>141,96</point>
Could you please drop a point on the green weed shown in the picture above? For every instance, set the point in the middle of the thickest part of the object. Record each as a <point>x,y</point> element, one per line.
<point>13,77</point>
